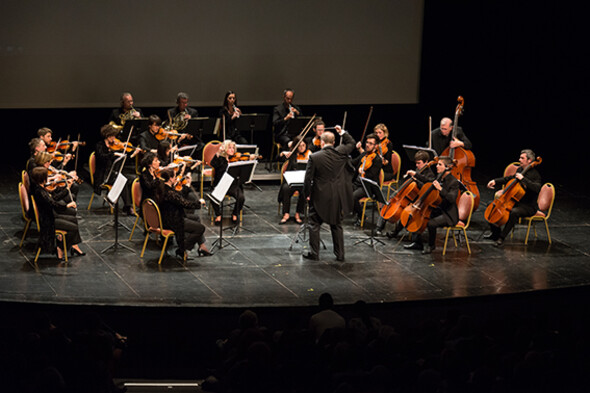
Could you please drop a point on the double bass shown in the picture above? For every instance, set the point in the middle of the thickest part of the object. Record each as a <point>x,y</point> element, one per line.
<point>498,211</point>
<point>464,159</point>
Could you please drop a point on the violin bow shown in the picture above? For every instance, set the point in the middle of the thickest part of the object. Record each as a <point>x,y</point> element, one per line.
<point>223,120</point>
<point>367,123</point>
<point>303,133</point>
<point>344,123</point>
<point>77,154</point>
<point>430,132</point>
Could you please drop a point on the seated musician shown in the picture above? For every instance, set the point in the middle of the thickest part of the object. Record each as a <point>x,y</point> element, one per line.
<point>384,149</point>
<point>36,145</point>
<point>50,218</point>
<point>442,137</point>
<point>367,165</point>
<point>181,113</point>
<point>297,160</point>
<point>281,117</point>
<point>63,184</point>
<point>151,184</point>
<point>219,163</point>
<point>188,230</point>
<point>230,112</point>
<point>106,167</point>
<point>46,135</point>
<point>315,142</point>
<point>147,141</point>
<point>125,112</point>
<point>530,180</point>
<point>421,175</point>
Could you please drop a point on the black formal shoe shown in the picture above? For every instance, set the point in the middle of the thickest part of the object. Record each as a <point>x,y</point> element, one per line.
<point>74,252</point>
<point>492,236</point>
<point>357,223</point>
<point>181,255</point>
<point>128,210</point>
<point>340,259</point>
<point>499,242</point>
<point>311,257</point>
<point>204,253</point>
<point>392,234</point>
<point>427,249</point>
<point>413,246</point>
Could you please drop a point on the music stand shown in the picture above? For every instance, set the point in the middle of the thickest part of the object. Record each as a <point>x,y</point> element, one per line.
<point>253,150</point>
<point>296,125</point>
<point>139,125</point>
<point>242,171</point>
<point>199,126</point>
<point>373,191</point>
<point>411,151</point>
<point>113,200</point>
<point>252,122</point>
<point>217,196</point>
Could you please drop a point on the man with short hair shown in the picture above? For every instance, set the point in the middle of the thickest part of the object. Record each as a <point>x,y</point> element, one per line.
<point>281,117</point>
<point>442,137</point>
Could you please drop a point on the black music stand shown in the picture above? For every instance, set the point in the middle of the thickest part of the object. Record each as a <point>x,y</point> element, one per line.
<point>199,127</point>
<point>113,199</point>
<point>217,196</point>
<point>252,122</point>
<point>373,191</point>
<point>253,150</point>
<point>411,151</point>
<point>242,171</point>
<point>139,125</point>
<point>296,125</point>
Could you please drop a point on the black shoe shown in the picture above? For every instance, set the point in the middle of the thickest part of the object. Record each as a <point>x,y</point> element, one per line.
<point>378,232</point>
<point>181,255</point>
<point>492,236</point>
<point>392,234</point>
<point>128,210</point>
<point>499,242</point>
<point>311,257</point>
<point>204,253</point>
<point>340,259</point>
<point>427,249</point>
<point>413,246</point>
<point>357,223</point>
<point>74,252</point>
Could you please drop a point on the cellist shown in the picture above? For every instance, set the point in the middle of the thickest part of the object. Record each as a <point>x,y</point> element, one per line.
<point>443,138</point>
<point>367,165</point>
<point>530,180</point>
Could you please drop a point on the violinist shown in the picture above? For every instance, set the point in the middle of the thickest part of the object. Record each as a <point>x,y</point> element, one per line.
<point>188,230</point>
<point>367,165</point>
<point>147,140</point>
<point>125,112</point>
<point>220,164</point>
<point>46,135</point>
<point>36,145</point>
<point>384,149</point>
<point>442,137</point>
<point>151,185</point>
<point>530,180</point>
<point>50,218</point>
<point>62,184</point>
<point>315,142</point>
<point>230,112</point>
<point>105,159</point>
<point>297,159</point>
<point>281,117</point>
<point>446,213</point>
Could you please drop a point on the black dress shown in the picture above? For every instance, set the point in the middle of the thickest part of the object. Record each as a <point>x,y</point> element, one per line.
<point>220,164</point>
<point>188,230</point>
<point>231,131</point>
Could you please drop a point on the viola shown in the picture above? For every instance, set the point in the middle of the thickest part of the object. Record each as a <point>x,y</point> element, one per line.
<point>117,145</point>
<point>498,211</point>
<point>367,162</point>
<point>170,134</point>
<point>463,159</point>
<point>244,157</point>
<point>52,185</point>
<point>416,215</point>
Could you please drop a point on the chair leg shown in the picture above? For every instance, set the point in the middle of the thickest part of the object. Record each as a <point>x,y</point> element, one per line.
<point>454,238</point>
<point>147,235</point>
<point>37,255</point>
<point>163,250</point>
<point>24,233</point>
<point>133,229</point>
<point>91,199</point>
<point>528,230</point>
<point>548,234</point>
<point>363,214</point>
<point>65,247</point>
<point>446,240</point>
<point>466,241</point>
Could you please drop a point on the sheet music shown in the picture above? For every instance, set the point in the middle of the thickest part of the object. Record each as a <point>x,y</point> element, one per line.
<point>221,189</point>
<point>114,193</point>
<point>294,177</point>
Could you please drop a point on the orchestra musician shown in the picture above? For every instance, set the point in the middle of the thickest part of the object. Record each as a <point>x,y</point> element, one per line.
<point>181,113</point>
<point>125,112</point>
<point>527,205</point>
<point>147,140</point>
<point>446,213</point>
<point>328,188</point>
<point>384,149</point>
<point>151,185</point>
<point>282,115</point>
<point>230,112</point>
<point>442,137</point>
<point>50,218</point>
<point>220,164</point>
<point>188,230</point>
<point>66,190</point>
<point>105,157</point>
<point>36,145</point>
<point>315,142</point>
<point>367,165</point>
<point>295,160</point>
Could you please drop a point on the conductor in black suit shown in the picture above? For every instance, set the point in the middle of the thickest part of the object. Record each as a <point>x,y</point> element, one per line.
<point>328,187</point>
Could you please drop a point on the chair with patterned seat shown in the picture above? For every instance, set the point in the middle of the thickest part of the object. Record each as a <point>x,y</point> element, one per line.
<point>136,194</point>
<point>58,232</point>
<point>396,163</point>
<point>545,203</point>
<point>153,224</point>
<point>25,208</point>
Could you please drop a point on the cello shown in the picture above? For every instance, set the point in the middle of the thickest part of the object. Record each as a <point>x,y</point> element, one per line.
<point>498,211</point>
<point>464,159</point>
<point>415,216</point>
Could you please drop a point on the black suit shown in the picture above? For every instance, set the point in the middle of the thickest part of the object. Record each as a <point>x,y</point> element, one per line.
<point>446,214</point>
<point>328,184</point>
<point>441,142</point>
<point>280,124</point>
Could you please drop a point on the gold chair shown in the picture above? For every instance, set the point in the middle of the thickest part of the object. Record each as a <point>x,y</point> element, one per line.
<point>363,201</point>
<point>136,193</point>
<point>24,205</point>
<point>396,163</point>
<point>209,151</point>
<point>25,181</point>
<point>57,232</point>
<point>465,207</point>
<point>545,203</point>
<point>510,170</point>
<point>153,224</point>
<point>92,171</point>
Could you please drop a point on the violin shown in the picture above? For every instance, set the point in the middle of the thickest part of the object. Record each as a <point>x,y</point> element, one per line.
<point>170,134</point>
<point>498,211</point>
<point>53,184</point>
<point>464,159</point>
<point>119,146</point>
<point>416,215</point>
<point>367,161</point>
<point>244,157</point>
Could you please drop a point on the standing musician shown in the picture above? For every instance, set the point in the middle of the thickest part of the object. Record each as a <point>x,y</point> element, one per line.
<point>187,230</point>
<point>50,218</point>
<point>181,113</point>
<point>219,163</point>
<point>443,138</point>
<point>446,214</point>
<point>105,157</point>
<point>230,112</point>
<point>527,206</point>
<point>286,190</point>
<point>367,165</point>
<point>315,143</point>
<point>282,115</point>
<point>328,187</point>
<point>384,149</point>
<point>125,112</point>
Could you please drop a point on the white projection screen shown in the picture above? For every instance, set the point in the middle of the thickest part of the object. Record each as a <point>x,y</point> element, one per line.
<point>62,54</point>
